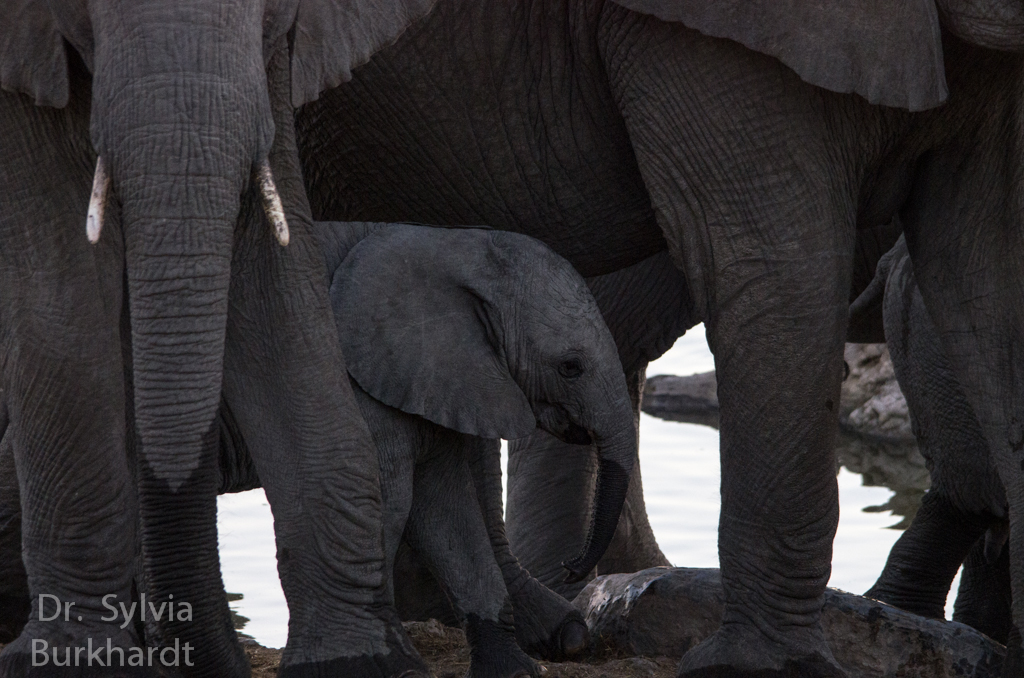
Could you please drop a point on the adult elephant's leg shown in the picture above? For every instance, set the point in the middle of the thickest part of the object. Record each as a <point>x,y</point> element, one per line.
<point>550,492</point>
<point>14,601</point>
<point>924,560</point>
<point>983,600</point>
<point>287,387</point>
<point>966,495</point>
<point>61,370</point>
<point>446,526</point>
<point>546,624</point>
<point>763,223</point>
<point>971,277</point>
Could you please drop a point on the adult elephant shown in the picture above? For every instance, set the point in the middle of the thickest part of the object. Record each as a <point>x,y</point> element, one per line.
<point>170,123</point>
<point>612,130</point>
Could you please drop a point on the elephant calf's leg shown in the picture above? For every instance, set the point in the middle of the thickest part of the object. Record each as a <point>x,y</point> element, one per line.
<point>924,560</point>
<point>547,625</point>
<point>447,529</point>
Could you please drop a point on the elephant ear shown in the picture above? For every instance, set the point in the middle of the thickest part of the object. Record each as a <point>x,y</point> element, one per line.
<point>888,51</point>
<point>331,37</point>
<point>420,330</point>
<point>33,59</point>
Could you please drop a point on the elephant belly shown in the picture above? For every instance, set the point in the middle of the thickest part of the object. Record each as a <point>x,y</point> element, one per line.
<point>425,133</point>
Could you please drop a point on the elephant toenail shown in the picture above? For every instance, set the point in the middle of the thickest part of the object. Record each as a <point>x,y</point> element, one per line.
<point>574,638</point>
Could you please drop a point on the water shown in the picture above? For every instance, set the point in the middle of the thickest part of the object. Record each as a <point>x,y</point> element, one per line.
<point>681,484</point>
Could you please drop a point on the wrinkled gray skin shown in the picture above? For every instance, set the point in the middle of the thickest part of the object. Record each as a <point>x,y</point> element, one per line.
<point>963,516</point>
<point>647,307</point>
<point>612,134</point>
<point>506,338</point>
<point>125,350</point>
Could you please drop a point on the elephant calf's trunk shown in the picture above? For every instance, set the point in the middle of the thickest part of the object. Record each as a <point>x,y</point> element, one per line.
<point>616,464</point>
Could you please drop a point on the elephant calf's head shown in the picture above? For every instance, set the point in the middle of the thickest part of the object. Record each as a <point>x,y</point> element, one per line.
<point>491,334</point>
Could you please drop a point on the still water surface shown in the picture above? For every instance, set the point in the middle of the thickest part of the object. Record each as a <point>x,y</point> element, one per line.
<point>681,480</point>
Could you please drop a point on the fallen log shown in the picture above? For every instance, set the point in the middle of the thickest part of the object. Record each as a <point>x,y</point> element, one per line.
<point>665,611</point>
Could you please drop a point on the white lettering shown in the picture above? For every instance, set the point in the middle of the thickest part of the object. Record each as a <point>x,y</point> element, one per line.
<point>113,610</point>
<point>128,614</point>
<point>157,614</point>
<point>42,615</point>
<point>185,612</point>
<point>38,649</point>
<point>173,650</point>
<point>111,650</point>
<point>95,654</point>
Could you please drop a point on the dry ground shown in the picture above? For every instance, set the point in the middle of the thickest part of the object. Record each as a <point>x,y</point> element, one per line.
<point>448,656</point>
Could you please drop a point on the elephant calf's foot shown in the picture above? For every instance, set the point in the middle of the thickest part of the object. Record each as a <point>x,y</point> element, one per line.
<point>79,651</point>
<point>547,625</point>
<point>739,652</point>
<point>493,652</point>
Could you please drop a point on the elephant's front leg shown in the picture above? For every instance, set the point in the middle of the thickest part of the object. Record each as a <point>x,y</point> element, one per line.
<point>546,624</point>
<point>286,384</point>
<point>14,601</point>
<point>754,206</point>
<point>447,528</point>
<point>778,356</point>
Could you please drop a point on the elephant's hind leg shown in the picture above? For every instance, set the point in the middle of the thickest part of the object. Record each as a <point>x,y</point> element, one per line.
<point>547,625</point>
<point>447,528</point>
<point>924,560</point>
<point>983,600</point>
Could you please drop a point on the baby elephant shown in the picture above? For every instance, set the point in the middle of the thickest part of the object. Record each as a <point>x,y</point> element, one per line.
<point>963,517</point>
<point>455,338</point>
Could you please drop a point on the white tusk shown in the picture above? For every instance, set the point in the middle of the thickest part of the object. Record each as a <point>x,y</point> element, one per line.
<point>97,203</point>
<point>272,203</point>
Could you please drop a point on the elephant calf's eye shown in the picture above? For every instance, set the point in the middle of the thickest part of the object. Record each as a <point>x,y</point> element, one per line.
<point>571,368</point>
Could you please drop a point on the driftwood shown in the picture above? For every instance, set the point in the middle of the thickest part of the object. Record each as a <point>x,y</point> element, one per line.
<point>871,404</point>
<point>665,611</point>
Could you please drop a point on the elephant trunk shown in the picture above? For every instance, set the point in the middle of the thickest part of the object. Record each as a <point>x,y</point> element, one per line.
<point>616,453</point>
<point>180,150</point>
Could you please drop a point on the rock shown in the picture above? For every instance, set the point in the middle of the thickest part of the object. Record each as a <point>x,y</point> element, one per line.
<point>666,611</point>
<point>871,403</point>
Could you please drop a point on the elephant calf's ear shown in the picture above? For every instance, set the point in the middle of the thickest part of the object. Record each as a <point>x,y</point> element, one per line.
<point>888,51</point>
<point>416,334</point>
<point>331,37</point>
<point>33,60</point>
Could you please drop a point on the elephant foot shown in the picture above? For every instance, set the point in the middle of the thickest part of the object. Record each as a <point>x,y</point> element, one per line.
<point>741,652</point>
<point>398,660</point>
<point>547,625</point>
<point>493,652</point>
<point>65,651</point>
